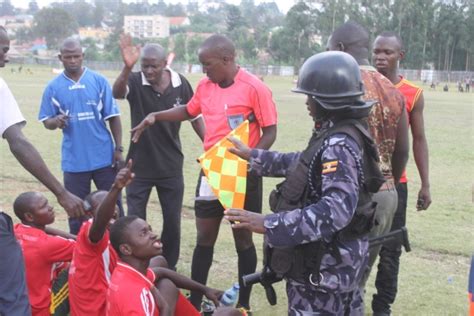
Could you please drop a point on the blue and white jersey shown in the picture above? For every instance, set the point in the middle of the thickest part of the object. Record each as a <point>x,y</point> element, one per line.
<point>87,144</point>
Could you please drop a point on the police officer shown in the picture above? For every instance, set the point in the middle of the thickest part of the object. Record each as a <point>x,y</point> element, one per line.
<point>317,237</point>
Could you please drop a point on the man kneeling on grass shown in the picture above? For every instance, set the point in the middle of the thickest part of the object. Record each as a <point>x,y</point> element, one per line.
<point>43,252</point>
<point>135,288</point>
<point>94,260</point>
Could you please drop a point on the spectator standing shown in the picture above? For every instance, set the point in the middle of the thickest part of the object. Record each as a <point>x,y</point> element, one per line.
<point>79,102</point>
<point>388,125</point>
<point>158,157</point>
<point>387,53</point>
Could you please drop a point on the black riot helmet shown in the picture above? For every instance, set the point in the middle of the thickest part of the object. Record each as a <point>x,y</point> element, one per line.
<point>333,79</point>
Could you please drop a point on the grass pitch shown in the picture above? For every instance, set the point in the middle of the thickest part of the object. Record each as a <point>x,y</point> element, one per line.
<point>433,277</point>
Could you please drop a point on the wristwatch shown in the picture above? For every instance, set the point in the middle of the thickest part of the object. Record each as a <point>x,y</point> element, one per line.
<point>119,148</point>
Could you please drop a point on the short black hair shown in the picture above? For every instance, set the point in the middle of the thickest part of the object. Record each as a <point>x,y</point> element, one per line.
<point>393,34</point>
<point>22,204</point>
<point>117,231</point>
<point>220,44</point>
<point>351,34</point>
<point>89,199</point>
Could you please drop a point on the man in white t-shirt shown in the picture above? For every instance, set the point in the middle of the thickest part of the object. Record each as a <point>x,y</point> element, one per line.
<point>13,295</point>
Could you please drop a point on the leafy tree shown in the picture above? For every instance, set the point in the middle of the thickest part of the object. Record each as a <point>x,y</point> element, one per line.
<point>91,50</point>
<point>193,46</point>
<point>83,11</point>
<point>98,14</point>
<point>24,35</point>
<point>32,7</point>
<point>54,24</point>
<point>111,46</point>
<point>233,18</point>
<point>180,47</point>
<point>175,10</point>
<point>245,44</point>
<point>205,23</point>
<point>6,8</point>
<point>295,42</point>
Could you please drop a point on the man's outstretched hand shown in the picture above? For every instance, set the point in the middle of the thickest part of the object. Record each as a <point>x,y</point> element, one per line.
<point>213,294</point>
<point>71,203</point>
<point>239,149</point>
<point>242,219</point>
<point>138,130</point>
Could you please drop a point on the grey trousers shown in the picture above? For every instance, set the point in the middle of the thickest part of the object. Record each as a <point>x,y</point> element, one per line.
<point>387,201</point>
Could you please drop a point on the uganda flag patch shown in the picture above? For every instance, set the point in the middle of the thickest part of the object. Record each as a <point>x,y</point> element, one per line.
<point>329,167</point>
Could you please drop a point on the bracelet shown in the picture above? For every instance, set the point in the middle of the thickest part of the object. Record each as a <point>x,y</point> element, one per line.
<point>119,148</point>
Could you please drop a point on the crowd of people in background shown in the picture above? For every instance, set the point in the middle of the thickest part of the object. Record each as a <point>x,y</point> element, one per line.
<point>347,186</point>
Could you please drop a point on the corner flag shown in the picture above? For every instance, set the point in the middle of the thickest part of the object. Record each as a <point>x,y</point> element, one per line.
<point>226,172</point>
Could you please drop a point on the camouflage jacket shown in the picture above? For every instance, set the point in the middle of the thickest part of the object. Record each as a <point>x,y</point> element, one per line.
<point>341,174</point>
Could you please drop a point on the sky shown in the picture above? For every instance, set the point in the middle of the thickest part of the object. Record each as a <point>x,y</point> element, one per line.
<point>283,5</point>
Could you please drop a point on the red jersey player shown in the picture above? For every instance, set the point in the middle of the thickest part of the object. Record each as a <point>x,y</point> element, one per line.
<point>42,252</point>
<point>94,258</point>
<point>135,289</point>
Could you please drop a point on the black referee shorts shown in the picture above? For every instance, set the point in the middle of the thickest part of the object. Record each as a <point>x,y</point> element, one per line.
<point>213,208</point>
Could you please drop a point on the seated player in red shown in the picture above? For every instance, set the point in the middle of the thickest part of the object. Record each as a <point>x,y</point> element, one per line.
<point>94,258</point>
<point>42,252</point>
<point>135,288</point>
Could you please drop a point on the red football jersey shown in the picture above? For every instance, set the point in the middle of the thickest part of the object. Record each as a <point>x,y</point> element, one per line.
<point>42,254</point>
<point>129,294</point>
<point>89,274</point>
<point>412,93</point>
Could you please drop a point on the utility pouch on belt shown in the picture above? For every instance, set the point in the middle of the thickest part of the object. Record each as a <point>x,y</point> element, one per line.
<point>361,223</point>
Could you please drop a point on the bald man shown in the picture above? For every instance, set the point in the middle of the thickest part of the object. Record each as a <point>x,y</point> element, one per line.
<point>228,96</point>
<point>79,102</point>
<point>158,159</point>
<point>388,125</point>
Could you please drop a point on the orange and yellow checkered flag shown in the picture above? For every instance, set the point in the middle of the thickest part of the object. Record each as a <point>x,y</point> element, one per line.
<point>226,172</point>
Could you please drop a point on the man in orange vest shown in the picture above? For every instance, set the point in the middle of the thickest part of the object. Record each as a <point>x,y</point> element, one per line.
<point>387,53</point>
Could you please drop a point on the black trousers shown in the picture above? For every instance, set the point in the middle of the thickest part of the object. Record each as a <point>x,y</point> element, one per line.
<point>170,193</point>
<point>386,281</point>
<point>79,183</point>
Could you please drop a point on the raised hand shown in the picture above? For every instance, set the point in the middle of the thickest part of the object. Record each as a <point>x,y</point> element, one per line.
<point>124,176</point>
<point>240,149</point>
<point>138,130</point>
<point>130,52</point>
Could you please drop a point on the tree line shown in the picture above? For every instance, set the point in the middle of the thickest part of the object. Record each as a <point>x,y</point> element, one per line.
<point>437,34</point>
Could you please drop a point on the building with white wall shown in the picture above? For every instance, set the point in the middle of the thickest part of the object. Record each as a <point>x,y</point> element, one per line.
<point>147,26</point>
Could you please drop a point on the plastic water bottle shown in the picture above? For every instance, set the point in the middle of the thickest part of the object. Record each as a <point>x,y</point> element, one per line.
<point>229,298</point>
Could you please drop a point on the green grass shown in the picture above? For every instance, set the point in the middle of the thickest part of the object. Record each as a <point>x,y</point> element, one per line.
<point>433,277</point>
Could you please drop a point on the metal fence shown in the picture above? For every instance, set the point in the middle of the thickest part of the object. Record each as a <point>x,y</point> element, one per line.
<point>435,76</point>
<point>429,76</point>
